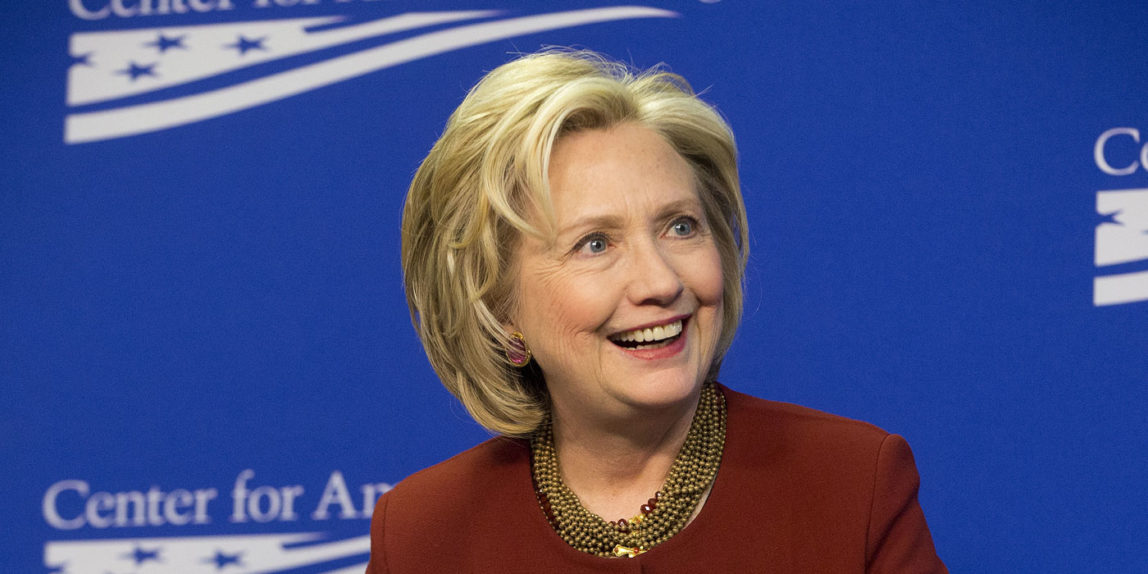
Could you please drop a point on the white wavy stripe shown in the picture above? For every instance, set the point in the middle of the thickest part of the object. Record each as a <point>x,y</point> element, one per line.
<point>89,84</point>
<point>257,554</point>
<point>1120,289</point>
<point>144,118</point>
<point>299,557</point>
<point>98,77</point>
<point>356,569</point>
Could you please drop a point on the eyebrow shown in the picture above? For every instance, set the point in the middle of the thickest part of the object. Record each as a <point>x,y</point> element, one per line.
<point>607,221</point>
<point>684,204</point>
<point>591,222</point>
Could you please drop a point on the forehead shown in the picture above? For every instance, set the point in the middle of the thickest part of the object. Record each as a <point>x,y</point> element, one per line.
<point>627,166</point>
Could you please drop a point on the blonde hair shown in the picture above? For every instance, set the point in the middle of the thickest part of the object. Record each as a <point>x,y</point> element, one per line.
<point>471,198</point>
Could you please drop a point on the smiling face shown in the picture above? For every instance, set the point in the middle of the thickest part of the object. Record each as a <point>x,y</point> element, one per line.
<point>623,310</point>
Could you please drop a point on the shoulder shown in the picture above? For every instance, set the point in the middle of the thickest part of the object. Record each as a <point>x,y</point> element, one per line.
<point>481,469</point>
<point>804,455</point>
<point>845,489</point>
<point>471,495</point>
<point>788,426</point>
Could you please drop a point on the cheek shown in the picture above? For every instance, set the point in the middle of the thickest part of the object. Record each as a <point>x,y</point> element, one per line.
<point>563,307</point>
<point>709,289</point>
<point>706,278</point>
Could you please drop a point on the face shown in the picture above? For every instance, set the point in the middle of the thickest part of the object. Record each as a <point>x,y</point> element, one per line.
<point>622,311</point>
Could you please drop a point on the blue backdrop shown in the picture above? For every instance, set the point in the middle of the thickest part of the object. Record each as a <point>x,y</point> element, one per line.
<point>206,359</point>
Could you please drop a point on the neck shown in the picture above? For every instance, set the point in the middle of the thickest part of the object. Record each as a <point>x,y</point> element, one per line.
<point>615,465</point>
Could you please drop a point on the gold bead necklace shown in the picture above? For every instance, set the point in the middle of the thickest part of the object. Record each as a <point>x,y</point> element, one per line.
<point>662,516</point>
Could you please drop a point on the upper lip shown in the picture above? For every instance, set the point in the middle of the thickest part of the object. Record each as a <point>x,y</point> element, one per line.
<point>651,325</point>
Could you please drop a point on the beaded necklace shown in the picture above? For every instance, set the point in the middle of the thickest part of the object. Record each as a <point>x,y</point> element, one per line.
<point>662,516</point>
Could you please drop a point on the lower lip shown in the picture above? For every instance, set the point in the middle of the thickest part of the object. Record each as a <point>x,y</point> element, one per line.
<point>660,352</point>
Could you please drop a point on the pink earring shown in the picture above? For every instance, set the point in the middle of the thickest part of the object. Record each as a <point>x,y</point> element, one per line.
<point>518,353</point>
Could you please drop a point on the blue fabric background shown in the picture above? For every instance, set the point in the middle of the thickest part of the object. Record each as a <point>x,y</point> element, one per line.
<point>181,305</point>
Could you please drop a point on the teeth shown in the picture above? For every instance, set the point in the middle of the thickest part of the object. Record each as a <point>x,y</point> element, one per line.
<point>652,334</point>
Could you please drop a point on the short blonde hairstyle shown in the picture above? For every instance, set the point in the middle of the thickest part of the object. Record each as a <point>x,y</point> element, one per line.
<point>473,195</point>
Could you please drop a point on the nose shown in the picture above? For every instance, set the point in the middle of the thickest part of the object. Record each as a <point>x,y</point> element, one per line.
<point>654,280</point>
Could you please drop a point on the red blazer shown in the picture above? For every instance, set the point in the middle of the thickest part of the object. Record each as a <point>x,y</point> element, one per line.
<point>798,491</point>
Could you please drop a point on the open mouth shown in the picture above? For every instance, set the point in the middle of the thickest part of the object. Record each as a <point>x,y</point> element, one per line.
<point>650,337</point>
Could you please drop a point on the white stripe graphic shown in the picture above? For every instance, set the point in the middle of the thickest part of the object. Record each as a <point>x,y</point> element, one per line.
<point>262,553</point>
<point>1119,289</point>
<point>356,569</point>
<point>203,51</point>
<point>144,118</point>
<point>1126,239</point>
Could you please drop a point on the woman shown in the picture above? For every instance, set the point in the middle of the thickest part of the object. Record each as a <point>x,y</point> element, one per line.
<point>573,250</point>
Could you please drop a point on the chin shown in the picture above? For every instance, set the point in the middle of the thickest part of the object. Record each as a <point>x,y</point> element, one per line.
<point>663,392</point>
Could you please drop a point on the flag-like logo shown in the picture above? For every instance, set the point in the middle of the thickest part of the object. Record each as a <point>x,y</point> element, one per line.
<point>1122,234</point>
<point>266,553</point>
<point>128,82</point>
<point>1121,238</point>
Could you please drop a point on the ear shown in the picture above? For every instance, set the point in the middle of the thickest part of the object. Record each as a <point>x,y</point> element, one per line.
<point>509,327</point>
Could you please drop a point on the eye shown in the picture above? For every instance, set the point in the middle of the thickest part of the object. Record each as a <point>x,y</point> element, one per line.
<point>684,227</point>
<point>593,244</point>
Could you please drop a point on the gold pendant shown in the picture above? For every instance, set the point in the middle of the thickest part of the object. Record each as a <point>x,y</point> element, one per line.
<point>627,552</point>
